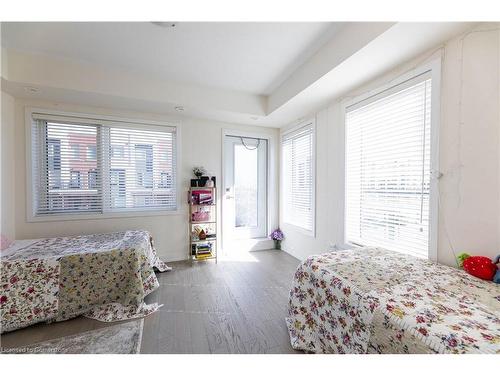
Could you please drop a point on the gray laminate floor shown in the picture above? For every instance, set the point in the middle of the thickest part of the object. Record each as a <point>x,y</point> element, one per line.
<point>235,306</point>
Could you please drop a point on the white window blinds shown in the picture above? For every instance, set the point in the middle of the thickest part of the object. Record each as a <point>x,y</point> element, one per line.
<point>89,166</point>
<point>61,168</point>
<point>388,169</point>
<point>298,177</point>
<point>141,169</point>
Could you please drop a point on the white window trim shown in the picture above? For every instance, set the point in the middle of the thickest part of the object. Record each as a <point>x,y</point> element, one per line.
<point>312,232</point>
<point>30,213</point>
<point>434,69</point>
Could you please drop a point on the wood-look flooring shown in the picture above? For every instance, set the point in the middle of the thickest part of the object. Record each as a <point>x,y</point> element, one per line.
<point>234,306</point>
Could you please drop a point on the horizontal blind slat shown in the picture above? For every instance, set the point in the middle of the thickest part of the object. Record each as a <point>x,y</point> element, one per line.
<point>388,171</point>
<point>94,168</point>
<point>297,153</point>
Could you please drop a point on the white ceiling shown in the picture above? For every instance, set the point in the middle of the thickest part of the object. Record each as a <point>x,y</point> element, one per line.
<point>247,57</point>
<point>268,74</point>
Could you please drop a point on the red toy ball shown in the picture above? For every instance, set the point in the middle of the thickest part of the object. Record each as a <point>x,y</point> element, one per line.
<point>481,267</point>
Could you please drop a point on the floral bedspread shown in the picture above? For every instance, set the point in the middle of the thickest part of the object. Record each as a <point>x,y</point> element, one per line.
<point>101,276</point>
<point>371,300</point>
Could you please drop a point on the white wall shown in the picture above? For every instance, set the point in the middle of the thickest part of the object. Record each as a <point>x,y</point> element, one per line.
<point>469,152</point>
<point>200,144</point>
<point>7,223</point>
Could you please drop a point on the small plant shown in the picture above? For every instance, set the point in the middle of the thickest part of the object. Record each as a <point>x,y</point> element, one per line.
<point>278,236</point>
<point>199,171</point>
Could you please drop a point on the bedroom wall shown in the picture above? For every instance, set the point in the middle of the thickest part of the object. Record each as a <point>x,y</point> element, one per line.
<point>7,185</point>
<point>200,145</point>
<point>469,212</point>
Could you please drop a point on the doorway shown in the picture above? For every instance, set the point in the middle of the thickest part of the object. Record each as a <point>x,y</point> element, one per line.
<point>245,190</point>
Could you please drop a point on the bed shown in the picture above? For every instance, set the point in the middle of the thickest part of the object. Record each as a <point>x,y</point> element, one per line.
<point>100,276</point>
<point>371,300</point>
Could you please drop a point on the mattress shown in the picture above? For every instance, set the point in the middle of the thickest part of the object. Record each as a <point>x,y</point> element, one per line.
<point>371,300</point>
<point>102,276</point>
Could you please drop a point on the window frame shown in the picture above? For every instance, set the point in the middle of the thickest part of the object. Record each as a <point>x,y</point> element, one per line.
<point>312,231</point>
<point>95,118</point>
<point>433,70</point>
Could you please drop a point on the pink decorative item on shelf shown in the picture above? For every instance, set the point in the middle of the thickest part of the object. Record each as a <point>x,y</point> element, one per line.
<point>200,216</point>
<point>202,197</point>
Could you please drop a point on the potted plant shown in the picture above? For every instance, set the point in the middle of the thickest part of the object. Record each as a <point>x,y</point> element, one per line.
<point>277,236</point>
<point>199,171</point>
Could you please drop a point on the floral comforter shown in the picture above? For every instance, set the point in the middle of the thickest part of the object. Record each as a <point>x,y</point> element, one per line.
<point>371,300</point>
<point>101,276</point>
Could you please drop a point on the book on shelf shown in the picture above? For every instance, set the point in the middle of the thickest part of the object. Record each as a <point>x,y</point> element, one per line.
<point>196,239</point>
<point>202,197</point>
<point>202,248</point>
<point>204,245</point>
<point>203,256</point>
<point>203,252</point>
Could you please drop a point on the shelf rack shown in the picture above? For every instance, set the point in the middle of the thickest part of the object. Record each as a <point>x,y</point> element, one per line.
<point>196,244</point>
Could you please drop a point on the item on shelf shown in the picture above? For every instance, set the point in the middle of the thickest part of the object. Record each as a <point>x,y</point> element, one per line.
<point>199,171</point>
<point>204,248</point>
<point>203,252</point>
<point>196,232</point>
<point>202,197</point>
<point>202,235</point>
<point>201,249</point>
<point>203,256</point>
<point>203,181</point>
<point>206,198</point>
<point>209,183</point>
<point>200,216</point>
<point>203,232</point>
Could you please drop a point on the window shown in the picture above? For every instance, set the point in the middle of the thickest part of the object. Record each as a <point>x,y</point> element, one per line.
<point>388,148</point>
<point>54,163</point>
<point>75,150</point>
<point>151,156</point>
<point>144,165</point>
<point>124,167</point>
<point>165,180</point>
<point>298,177</point>
<point>117,187</point>
<point>91,152</point>
<point>74,180</point>
<point>117,151</point>
<point>58,186</point>
<point>92,179</point>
